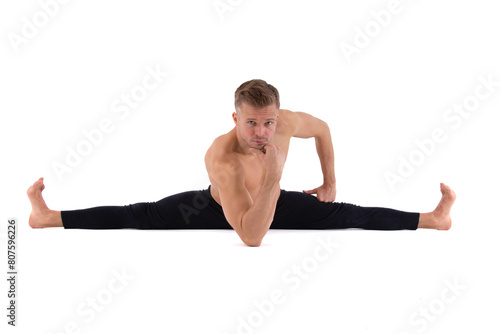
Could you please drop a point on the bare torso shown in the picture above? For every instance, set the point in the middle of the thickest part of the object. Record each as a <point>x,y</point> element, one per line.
<point>226,147</point>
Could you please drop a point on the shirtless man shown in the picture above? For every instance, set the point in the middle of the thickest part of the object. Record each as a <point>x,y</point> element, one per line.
<point>245,167</point>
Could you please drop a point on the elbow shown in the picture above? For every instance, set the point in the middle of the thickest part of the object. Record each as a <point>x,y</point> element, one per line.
<point>325,129</point>
<point>252,242</point>
<point>322,131</point>
<point>250,237</point>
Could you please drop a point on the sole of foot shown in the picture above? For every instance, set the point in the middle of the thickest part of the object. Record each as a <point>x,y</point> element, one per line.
<point>39,210</point>
<point>442,211</point>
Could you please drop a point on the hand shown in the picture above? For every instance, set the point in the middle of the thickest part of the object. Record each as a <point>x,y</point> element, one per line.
<point>325,193</point>
<point>273,160</point>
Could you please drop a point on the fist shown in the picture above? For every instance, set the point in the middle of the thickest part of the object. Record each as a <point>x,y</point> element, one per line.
<point>273,160</point>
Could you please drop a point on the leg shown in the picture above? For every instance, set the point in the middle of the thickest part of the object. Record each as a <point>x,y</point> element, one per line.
<point>188,210</point>
<point>301,211</point>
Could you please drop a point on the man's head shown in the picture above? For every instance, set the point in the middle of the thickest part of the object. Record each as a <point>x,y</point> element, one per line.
<point>256,93</point>
<point>257,104</point>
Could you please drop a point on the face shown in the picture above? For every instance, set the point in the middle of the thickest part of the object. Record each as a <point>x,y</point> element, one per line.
<point>256,126</point>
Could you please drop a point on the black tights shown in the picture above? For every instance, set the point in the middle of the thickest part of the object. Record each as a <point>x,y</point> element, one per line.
<point>198,210</point>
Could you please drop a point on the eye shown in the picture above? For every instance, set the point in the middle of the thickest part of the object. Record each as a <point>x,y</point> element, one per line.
<point>269,123</point>
<point>251,122</point>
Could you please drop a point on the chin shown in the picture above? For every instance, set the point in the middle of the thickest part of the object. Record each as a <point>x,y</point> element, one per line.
<point>259,147</point>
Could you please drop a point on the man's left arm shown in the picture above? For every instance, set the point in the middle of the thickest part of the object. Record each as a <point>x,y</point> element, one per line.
<point>308,126</point>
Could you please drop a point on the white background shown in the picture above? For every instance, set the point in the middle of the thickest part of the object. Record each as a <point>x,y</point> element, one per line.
<point>394,91</point>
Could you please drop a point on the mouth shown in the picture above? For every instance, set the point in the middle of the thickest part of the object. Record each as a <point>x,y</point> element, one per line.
<point>259,141</point>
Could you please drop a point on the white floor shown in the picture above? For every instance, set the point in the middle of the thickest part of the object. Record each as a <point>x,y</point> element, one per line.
<point>394,108</point>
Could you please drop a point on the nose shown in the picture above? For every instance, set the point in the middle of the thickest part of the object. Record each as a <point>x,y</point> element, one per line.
<point>259,131</point>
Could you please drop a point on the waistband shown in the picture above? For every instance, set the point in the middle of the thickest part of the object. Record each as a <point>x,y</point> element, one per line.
<point>208,194</point>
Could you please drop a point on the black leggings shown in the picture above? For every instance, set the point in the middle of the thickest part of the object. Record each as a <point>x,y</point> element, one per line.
<point>198,210</point>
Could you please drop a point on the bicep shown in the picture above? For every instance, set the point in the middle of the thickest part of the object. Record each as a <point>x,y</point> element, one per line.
<point>307,126</point>
<point>234,196</point>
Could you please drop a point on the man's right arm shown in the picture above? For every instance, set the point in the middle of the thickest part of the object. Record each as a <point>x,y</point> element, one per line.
<point>258,218</point>
<point>250,219</point>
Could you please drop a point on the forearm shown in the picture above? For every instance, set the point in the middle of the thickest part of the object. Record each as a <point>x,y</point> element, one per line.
<point>324,148</point>
<point>257,220</point>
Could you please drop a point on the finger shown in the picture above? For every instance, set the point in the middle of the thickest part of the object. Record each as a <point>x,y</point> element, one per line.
<point>260,150</point>
<point>310,192</point>
<point>324,199</point>
<point>256,151</point>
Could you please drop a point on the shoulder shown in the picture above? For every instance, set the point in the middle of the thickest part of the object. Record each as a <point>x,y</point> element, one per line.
<point>221,161</point>
<point>303,125</point>
<point>219,146</point>
<point>287,115</point>
<point>220,150</point>
<point>287,121</point>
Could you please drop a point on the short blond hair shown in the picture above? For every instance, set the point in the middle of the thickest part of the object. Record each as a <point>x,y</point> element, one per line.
<point>256,93</point>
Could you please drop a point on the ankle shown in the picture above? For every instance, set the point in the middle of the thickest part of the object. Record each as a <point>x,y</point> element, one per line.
<point>428,220</point>
<point>46,218</point>
<point>435,221</point>
<point>53,219</point>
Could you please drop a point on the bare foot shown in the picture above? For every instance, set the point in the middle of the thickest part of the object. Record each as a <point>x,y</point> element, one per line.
<point>440,218</point>
<point>41,215</point>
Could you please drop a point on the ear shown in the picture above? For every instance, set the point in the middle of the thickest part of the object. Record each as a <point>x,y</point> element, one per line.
<point>235,118</point>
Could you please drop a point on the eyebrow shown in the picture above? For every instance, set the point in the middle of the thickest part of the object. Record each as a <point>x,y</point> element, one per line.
<point>254,119</point>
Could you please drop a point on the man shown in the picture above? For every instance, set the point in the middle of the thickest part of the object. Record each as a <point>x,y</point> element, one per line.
<point>245,167</point>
